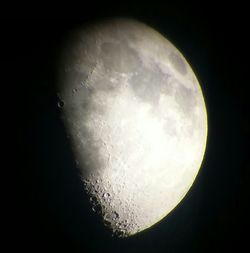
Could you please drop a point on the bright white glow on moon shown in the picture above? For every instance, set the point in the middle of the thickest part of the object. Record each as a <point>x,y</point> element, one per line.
<point>136,118</point>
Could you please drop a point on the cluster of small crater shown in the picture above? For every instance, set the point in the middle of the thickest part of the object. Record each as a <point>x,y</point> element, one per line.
<point>101,204</point>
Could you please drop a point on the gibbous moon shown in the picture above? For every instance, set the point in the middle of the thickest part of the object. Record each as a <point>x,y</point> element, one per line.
<point>136,119</point>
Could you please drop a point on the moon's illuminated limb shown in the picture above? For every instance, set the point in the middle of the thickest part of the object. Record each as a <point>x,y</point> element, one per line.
<point>137,121</point>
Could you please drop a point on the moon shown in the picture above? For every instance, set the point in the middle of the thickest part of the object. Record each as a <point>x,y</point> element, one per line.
<point>136,119</point>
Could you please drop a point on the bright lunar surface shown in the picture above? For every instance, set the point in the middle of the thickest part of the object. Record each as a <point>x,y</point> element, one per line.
<point>136,119</point>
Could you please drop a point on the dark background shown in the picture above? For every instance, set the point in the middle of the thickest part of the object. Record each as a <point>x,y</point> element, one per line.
<point>48,208</point>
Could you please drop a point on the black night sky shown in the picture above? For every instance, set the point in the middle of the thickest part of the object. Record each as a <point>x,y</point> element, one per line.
<point>50,211</point>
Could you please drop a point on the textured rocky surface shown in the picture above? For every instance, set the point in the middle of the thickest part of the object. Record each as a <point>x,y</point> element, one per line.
<point>136,118</point>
